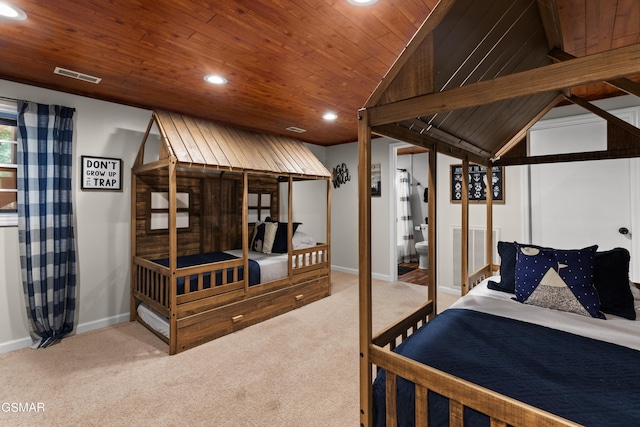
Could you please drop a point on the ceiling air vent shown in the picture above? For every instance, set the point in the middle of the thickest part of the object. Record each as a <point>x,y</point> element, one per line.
<point>295,129</point>
<point>76,75</point>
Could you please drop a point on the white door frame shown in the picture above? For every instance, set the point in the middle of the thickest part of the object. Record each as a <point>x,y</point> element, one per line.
<point>393,228</point>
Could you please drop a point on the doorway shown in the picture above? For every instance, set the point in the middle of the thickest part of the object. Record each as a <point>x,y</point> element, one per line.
<point>412,162</point>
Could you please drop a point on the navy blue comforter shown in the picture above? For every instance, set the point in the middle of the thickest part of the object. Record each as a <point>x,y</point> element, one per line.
<point>584,380</point>
<point>205,258</point>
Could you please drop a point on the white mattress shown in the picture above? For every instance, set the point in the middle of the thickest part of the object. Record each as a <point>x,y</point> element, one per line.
<point>614,329</point>
<point>157,322</point>
<point>272,266</point>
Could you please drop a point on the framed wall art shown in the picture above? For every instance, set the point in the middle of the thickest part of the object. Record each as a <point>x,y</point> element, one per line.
<point>376,180</point>
<point>478,184</point>
<point>101,173</point>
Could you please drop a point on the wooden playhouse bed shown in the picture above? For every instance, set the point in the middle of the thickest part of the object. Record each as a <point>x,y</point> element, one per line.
<point>470,88</point>
<point>190,212</point>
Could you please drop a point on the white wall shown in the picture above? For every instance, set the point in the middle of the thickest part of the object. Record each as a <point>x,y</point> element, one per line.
<point>344,209</point>
<point>507,217</point>
<point>102,129</point>
<point>310,201</point>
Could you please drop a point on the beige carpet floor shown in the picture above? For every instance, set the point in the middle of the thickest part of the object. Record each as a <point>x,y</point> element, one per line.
<point>299,369</point>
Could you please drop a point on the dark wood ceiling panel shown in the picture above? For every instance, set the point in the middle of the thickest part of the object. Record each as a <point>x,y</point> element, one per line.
<point>287,61</point>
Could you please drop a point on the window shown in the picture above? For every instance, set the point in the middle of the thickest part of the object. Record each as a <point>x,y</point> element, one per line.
<point>8,164</point>
<point>259,207</point>
<point>159,219</point>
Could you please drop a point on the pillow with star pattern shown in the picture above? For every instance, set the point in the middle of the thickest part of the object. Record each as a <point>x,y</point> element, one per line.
<point>557,279</point>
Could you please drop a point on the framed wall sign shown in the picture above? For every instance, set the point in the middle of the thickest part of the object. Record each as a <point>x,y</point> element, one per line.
<point>478,183</point>
<point>376,180</point>
<point>101,173</point>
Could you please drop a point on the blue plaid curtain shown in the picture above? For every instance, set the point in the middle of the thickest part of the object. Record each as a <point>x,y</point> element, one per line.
<point>45,219</point>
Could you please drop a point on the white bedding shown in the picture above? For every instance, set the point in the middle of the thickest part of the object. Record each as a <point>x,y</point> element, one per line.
<point>157,322</point>
<point>272,266</point>
<point>615,329</point>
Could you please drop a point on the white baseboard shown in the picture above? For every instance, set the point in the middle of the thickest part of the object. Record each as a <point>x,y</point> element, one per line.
<point>449,290</point>
<point>18,344</point>
<point>102,323</point>
<point>21,343</point>
<point>345,269</point>
<point>384,277</point>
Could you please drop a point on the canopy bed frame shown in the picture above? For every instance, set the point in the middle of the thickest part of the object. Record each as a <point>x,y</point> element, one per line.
<point>470,85</point>
<point>205,200</point>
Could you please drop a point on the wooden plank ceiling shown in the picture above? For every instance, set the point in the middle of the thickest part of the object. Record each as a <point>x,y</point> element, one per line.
<point>287,61</point>
<point>478,75</point>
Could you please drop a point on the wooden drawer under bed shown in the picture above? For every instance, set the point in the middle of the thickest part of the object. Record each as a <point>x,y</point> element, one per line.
<point>199,328</point>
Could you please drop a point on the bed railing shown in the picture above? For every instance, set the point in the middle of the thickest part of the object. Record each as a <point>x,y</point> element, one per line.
<point>501,409</point>
<point>307,259</point>
<point>152,281</point>
<point>152,284</point>
<point>394,334</point>
<point>480,274</point>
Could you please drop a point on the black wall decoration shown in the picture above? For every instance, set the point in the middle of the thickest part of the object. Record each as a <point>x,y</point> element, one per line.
<point>478,183</point>
<point>340,175</point>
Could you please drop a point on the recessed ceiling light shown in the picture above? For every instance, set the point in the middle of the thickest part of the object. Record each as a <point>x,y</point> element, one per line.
<point>11,12</point>
<point>215,79</point>
<point>330,116</point>
<point>362,2</point>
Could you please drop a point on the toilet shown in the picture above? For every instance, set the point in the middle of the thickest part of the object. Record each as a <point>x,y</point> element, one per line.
<point>422,248</point>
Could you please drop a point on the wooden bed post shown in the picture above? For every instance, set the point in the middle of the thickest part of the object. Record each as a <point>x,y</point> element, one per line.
<point>432,230</point>
<point>173,254</point>
<point>290,224</point>
<point>245,228</point>
<point>465,227</point>
<point>328,236</point>
<point>139,160</point>
<point>134,246</point>
<point>489,234</point>
<point>364,268</point>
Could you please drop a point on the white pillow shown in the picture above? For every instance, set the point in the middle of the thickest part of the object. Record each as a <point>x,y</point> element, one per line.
<point>301,239</point>
<point>270,229</point>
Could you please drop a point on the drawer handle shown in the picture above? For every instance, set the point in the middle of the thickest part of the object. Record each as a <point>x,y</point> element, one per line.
<point>299,297</point>
<point>237,318</point>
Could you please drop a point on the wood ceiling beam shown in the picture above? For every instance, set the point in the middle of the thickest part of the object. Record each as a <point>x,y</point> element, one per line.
<point>569,157</point>
<point>625,85</point>
<point>616,121</point>
<point>607,65</point>
<point>432,144</point>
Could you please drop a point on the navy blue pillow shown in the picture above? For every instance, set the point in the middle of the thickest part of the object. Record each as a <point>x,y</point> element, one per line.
<point>507,252</point>
<point>280,245</point>
<point>558,279</point>
<point>611,280</point>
